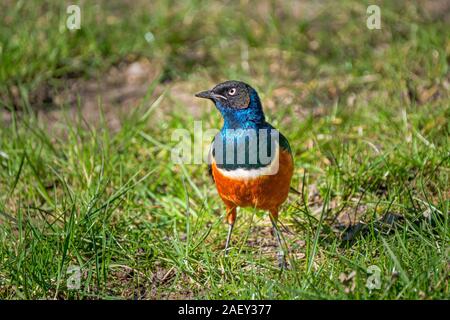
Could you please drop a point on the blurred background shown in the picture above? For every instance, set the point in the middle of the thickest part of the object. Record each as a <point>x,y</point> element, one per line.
<point>306,53</point>
<point>86,177</point>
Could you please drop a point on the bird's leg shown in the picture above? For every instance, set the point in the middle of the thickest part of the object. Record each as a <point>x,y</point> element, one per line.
<point>227,243</point>
<point>230,218</point>
<point>280,255</point>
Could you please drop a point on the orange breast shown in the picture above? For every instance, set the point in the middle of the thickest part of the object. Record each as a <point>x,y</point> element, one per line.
<point>266,192</point>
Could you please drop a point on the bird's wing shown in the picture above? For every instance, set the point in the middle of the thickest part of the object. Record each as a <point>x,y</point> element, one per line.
<point>284,143</point>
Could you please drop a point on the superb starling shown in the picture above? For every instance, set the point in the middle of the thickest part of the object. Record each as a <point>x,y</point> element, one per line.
<point>250,161</point>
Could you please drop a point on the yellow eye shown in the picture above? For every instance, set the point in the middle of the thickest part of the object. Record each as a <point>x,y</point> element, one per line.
<point>232,91</point>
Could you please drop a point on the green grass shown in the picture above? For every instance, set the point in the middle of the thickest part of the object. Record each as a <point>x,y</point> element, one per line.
<point>366,112</point>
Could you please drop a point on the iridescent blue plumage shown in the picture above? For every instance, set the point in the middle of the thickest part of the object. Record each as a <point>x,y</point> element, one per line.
<point>250,117</point>
<point>245,128</point>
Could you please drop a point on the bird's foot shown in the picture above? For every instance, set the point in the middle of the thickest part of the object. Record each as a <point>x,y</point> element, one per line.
<point>226,251</point>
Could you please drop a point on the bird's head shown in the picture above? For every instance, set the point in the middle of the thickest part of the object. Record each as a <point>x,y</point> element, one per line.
<point>238,103</point>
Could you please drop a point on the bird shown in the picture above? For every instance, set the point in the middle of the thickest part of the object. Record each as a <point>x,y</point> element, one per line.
<point>250,161</point>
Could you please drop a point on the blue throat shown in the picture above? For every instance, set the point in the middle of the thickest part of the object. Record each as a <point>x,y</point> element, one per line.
<point>250,117</point>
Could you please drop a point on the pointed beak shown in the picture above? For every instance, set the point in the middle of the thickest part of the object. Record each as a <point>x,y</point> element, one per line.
<point>209,94</point>
<point>205,94</point>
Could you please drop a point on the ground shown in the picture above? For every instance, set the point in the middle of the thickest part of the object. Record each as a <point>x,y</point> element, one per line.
<point>88,187</point>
